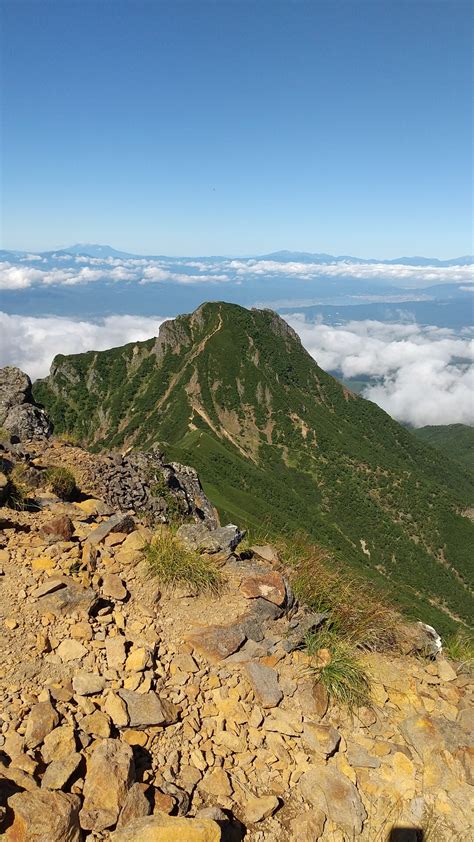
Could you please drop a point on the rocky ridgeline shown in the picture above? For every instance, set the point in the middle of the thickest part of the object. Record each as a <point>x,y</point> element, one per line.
<point>133,714</point>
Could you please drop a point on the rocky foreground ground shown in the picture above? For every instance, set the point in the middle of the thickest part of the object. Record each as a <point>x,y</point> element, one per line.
<point>135,714</point>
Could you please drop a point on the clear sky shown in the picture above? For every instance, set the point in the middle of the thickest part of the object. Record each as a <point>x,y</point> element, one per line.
<point>238,127</point>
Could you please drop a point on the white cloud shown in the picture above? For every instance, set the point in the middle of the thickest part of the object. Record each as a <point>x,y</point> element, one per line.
<point>396,273</point>
<point>31,343</point>
<point>424,375</point>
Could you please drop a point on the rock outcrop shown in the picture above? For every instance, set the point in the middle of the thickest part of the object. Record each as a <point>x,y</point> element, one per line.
<point>20,417</point>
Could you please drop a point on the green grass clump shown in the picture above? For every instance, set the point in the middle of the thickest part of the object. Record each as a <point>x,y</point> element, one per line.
<point>460,647</point>
<point>174,564</point>
<point>61,481</point>
<point>337,667</point>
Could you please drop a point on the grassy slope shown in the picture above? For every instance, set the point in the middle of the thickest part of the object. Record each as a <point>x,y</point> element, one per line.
<point>454,440</point>
<point>307,455</point>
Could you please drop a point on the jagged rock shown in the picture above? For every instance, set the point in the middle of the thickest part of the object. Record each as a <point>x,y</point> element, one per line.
<point>164,828</point>
<point>313,698</point>
<point>147,709</point>
<point>59,743</point>
<point>117,523</point>
<point>216,783</point>
<point>300,626</point>
<point>60,528</point>
<point>97,724</point>
<point>216,642</point>
<point>286,722</point>
<point>257,809</point>
<point>359,756</point>
<point>115,651</point>
<point>113,586</point>
<point>58,772</point>
<point>12,774</point>
<point>266,552</point>
<point>254,622</point>
<point>65,596</point>
<point>269,586</point>
<point>328,790</point>
<point>19,415</point>
<point>41,721</point>
<point>198,537</point>
<point>109,776</point>
<point>322,739</point>
<point>116,708</point>
<point>44,816</point>
<point>264,683</point>
<point>136,805</point>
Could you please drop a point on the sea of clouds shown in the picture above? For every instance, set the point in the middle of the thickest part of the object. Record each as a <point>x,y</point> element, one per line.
<point>34,270</point>
<point>421,375</point>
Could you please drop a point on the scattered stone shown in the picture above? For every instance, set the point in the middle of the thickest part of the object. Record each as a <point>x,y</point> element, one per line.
<point>216,642</point>
<point>322,739</point>
<point>59,744</point>
<point>308,827</point>
<point>116,708</point>
<point>328,790</point>
<point>58,772</point>
<point>97,724</point>
<point>88,683</point>
<point>269,586</point>
<point>113,586</point>
<point>41,721</point>
<point>284,722</point>
<point>147,709</point>
<point>115,651</point>
<point>109,776</point>
<point>71,650</point>
<point>138,660</point>
<point>217,784</point>
<point>264,683</point>
<point>257,809</point>
<point>60,528</point>
<point>445,670</point>
<point>266,552</point>
<point>117,523</point>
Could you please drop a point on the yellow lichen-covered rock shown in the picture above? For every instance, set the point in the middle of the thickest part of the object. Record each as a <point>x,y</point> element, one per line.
<point>164,828</point>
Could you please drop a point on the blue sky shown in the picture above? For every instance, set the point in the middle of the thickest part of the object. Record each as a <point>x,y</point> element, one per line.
<point>238,127</point>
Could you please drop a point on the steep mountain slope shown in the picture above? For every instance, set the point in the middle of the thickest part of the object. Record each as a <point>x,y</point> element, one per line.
<point>281,446</point>
<point>454,440</point>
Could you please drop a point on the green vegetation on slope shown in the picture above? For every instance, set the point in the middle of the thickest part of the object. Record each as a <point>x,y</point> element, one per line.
<point>280,445</point>
<point>454,440</point>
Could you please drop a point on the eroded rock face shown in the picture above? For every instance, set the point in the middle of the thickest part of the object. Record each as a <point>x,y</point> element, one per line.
<point>19,414</point>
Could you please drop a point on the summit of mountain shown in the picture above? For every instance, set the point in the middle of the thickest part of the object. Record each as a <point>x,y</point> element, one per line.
<point>281,447</point>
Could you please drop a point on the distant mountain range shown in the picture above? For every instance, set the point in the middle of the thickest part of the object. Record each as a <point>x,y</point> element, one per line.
<point>284,256</point>
<point>281,446</point>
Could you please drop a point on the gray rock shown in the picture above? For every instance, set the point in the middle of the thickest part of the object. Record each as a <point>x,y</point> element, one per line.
<point>147,709</point>
<point>119,522</point>
<point>19,414</point>
<point>264,683</point>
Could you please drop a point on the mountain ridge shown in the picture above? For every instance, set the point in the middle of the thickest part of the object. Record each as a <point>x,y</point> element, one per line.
<point>279,442</point>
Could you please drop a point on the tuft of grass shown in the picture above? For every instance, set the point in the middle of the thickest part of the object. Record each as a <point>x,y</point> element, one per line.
<point>336,666</point>
<point>460,648</point>
<point>174,564</point>
<point>357,611</point>
<point>61,481</point>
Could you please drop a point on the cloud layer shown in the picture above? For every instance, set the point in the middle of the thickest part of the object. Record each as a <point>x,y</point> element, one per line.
<point>421,375</point>
<point>69,270</point>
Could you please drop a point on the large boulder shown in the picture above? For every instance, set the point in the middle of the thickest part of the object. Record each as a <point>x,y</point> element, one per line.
<point>19,415</point>
<point>44,816</point>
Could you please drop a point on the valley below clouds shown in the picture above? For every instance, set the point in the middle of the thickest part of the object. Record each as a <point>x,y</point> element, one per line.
<point>418,374</point>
